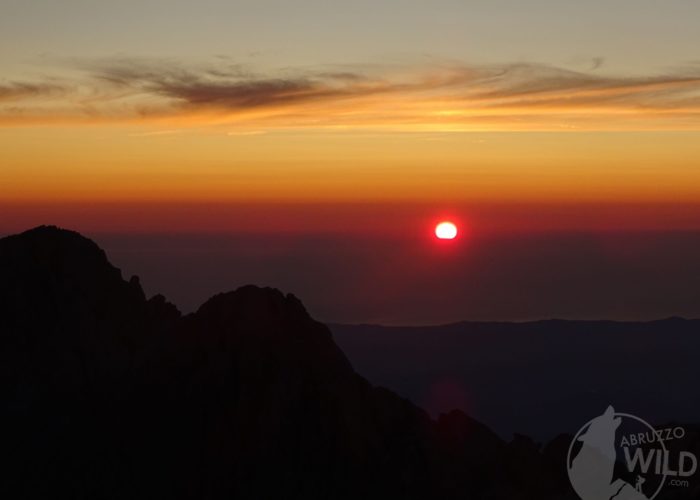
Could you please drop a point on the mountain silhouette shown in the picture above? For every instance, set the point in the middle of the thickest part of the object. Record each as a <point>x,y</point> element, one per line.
<point>110,395</point>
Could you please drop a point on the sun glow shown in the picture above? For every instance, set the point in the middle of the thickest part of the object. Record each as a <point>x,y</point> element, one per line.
<point>446,231</point>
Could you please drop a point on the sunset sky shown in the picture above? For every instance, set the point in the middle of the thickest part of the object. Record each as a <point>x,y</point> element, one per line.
<point>354,120</point>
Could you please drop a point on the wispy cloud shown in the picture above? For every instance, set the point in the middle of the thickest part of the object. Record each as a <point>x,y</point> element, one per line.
<point>13,91</point>
<point>449,97</point>
<point>231,86</point>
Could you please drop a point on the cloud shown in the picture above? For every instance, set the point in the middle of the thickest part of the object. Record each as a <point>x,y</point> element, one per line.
<point>14,91</point>
<point>230,86</point>
<point>538,86</point>
<point>452,96</point>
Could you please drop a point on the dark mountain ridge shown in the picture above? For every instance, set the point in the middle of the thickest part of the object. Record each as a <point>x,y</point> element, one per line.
<point>108,394</point>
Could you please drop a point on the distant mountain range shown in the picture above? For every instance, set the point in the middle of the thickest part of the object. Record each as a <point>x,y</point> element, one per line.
<point>109,395</point>
<point>539,378</point>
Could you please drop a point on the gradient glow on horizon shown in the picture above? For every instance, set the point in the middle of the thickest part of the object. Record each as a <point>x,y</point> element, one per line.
<point>481,106</point>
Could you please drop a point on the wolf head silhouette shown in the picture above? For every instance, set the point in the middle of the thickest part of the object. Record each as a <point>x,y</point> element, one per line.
<point>601,434</point>
<point>591,471</point>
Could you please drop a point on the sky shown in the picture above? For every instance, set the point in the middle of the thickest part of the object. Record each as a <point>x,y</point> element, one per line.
<point>363,122</point>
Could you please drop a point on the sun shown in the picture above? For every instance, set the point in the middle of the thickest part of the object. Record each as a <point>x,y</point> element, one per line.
<point>446,231</point>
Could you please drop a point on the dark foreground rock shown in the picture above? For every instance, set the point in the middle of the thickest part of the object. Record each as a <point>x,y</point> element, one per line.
<point>106,394</point>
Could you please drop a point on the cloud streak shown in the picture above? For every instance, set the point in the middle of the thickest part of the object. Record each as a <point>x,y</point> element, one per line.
<point>15,91</point>
<point>447,97</point>
<point>232,87</point>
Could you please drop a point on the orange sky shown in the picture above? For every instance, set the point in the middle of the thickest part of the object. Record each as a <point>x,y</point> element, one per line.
<point>154,133</point>
<point>514,114</point>
<point>127,164</point>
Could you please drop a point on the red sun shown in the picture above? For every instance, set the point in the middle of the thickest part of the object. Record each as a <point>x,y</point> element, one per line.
<point>446,230</point>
